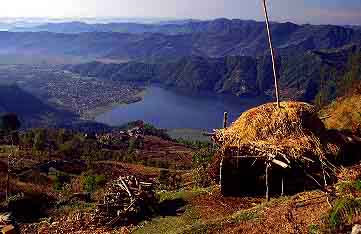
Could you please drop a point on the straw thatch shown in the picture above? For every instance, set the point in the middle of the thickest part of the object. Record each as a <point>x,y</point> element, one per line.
<point>292,132</point>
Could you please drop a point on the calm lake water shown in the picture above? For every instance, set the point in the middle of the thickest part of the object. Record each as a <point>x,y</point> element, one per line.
<point>170,109</point>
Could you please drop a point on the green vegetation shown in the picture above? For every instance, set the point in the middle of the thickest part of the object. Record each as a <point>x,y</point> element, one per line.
<point>184,194</point>
<point>174,224</point>
<point>313,229</point>
<point>245,215</point>
<point>200,162</point>
<point>91,183</point>
<point>170,224</point>
<point>346,187</point>
<point>344,211</point>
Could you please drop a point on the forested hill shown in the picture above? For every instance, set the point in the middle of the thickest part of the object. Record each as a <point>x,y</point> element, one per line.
<point>301,76</point>
<point>216,38</point>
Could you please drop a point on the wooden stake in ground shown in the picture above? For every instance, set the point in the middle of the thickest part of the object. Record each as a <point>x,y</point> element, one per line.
<point>272,52</point>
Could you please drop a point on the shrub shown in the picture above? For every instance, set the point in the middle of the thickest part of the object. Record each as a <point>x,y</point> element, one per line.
<point>200,163</point>
<point>91,183</point>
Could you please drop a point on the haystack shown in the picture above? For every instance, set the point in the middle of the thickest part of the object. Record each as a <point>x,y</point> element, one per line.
<point>292,132</point>
<point>284,141</point>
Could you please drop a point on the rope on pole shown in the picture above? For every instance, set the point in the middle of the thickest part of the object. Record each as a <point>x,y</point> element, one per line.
<point>272,52</point>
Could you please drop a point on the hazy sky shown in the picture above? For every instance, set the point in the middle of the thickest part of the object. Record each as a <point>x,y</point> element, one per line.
<point>307,11</point>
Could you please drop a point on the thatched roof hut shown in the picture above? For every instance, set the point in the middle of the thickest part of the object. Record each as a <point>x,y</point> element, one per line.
<point>290,138</point>
<point>292,132</point>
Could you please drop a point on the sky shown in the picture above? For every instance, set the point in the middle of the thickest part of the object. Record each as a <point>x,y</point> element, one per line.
<point>298,11</point>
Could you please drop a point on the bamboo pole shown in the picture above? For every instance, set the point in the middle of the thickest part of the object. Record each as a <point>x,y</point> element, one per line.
<point>272,52</point>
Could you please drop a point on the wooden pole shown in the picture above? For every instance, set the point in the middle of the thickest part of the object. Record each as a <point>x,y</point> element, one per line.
<point>282,186</point>
<point>225,120</point>
<point>324,175</point>
<point>272,52</point>
<point>220,174</point>
<point>267,186</point>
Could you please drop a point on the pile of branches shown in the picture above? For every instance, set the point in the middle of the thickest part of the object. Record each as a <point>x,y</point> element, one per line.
<point>126,200</point>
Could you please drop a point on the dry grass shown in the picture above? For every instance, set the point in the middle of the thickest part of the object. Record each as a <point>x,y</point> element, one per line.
<point>344,112</point>
<point>294,130</point>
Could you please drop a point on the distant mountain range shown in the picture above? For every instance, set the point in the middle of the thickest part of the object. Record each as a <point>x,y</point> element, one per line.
<point>165,27</point>
<point>222,56</point>
<point>218,38</point>
<point>300,76</point>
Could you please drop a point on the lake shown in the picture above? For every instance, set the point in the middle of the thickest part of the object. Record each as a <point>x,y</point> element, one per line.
<point>170,109</point>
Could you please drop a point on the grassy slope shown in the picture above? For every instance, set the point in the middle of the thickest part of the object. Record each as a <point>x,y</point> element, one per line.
<point>207,212</point>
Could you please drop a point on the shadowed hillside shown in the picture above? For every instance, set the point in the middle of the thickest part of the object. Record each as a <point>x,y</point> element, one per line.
<point>31,111</point>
